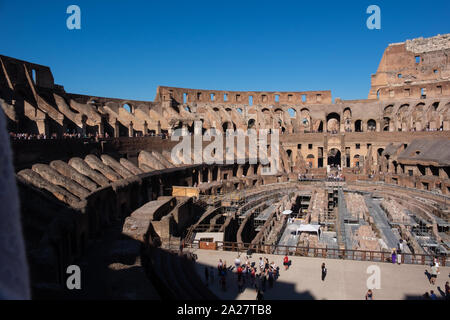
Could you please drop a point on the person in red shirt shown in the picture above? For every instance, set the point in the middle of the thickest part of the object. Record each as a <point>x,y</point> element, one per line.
<point>286,262</point>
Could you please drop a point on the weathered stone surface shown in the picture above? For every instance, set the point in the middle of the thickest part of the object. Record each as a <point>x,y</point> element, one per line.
<point>68,171</point>
<point>130,166</point>
<point>162,159</point>
<point>58,179</point>
<point>38,181</point>
<point>116,166</point>
<point>149,160</point>
<point>82,167</point>
<point>96,164</point>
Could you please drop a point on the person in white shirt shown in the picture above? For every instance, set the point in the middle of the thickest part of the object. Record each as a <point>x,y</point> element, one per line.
<point>237,262</point>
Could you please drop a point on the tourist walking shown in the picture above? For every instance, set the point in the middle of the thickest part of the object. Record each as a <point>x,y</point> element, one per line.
<point>237,262</point>
<point>399,251</point>
<point>432,295</point>
<point>324,271</point>
<point>369,295</point>
<point>219,266</point>
<point>394,256</point>
<point>434,273</point>
<point>286,262</point>
<point>261,264</point>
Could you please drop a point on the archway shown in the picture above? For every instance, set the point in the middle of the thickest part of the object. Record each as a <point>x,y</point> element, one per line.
<point>371,125</point>
<point>356,160</point>
<point>310,160</point>
<point>333,122</point>
<point>251,124</point>
<point>334,157</point>
<point>358,126</point>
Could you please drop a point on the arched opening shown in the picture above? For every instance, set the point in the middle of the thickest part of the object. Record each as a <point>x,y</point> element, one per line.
<point>333,122</point>
<point>128,107</point>
<point>310,160</point>
<point>251,124</point>
<point>289,153</point>
<point>380,151</point>
<point>320,128</point>
<point>371,125</point>
<point>386,123</point>
<point>334,157</point>
<point>358,126</point>
<point>356,160</point>
<point>347,120</point>
<point>292,113</point>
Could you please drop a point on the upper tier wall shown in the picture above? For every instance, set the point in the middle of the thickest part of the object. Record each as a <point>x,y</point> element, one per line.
<point>183,95</point>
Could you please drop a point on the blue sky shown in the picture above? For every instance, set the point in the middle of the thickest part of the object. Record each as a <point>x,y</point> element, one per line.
<point>125,49</point>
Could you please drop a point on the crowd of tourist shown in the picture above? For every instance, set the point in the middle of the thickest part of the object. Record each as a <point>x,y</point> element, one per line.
<point>260,275</point>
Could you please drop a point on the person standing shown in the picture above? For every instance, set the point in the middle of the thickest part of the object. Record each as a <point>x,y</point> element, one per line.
<point>324,271</point>
<point>369,295</point>
<point>432,295</point>
<point>286,262</point>
<point>434,273</point>
<point>237,262</point>
<point>394,256</point>
<point>447,291</point>
<point>399,252</point>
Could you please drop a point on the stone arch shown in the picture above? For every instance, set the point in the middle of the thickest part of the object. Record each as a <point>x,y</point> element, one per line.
<point>358,126</point>
<point>310,160</point>
<point>292,113</point>
<point>347,116</point>
<point>371,125</point>
<point>333,122</point>
<point>128,107</point>
<point>305,118</point>
<point>251,124</point>
<point>334,157</point>
<point>356,160</point>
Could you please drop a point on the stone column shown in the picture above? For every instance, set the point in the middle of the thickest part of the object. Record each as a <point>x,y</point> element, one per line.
<point>116,129</point>
<point>145,128</point>
<point>130,129</point>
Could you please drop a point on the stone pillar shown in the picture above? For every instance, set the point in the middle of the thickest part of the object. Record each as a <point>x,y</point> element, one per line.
<point>116,129</point>
<point>42,125</point>
<point>101,127</point>
<point>145,128</point>
<point>83,126</point>
<point>200,176</point>
<point>130,129</point>
<point>158,127</point>
<point>209,175</point>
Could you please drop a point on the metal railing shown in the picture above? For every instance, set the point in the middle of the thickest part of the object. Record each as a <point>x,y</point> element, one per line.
<point>326,253</point>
